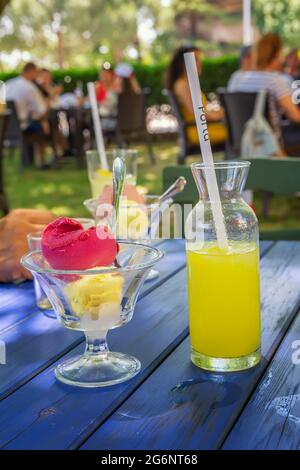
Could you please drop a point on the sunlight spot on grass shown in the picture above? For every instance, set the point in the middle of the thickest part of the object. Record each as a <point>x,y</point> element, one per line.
<point>63,210</point>
<point>66,189</point>
<point>41,190</point>
<point>150,176</point>
<point>49,188</point>
<point>165,157</point>
<point>35,192</point>
<point>41,206</point>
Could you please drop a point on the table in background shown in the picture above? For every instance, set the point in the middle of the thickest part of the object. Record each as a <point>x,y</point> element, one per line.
<point>171,404</point>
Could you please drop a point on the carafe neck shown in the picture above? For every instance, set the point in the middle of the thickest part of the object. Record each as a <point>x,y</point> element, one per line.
<point>230,175</point>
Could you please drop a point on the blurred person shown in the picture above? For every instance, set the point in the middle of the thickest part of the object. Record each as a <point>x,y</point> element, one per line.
<point>32,109</point>
<point>14,228</point>
<point>128,82</point>
<point>107,89</point>
<point>50,91</point>
<point>105,82</point>
<point>51,94</point>
<point>268,76</point>
<point>292,64</point>
<point>71,100</point>
<point>246,63</point>
<point>28,99</point>
<point>177,82</point>
<point>246,58</point>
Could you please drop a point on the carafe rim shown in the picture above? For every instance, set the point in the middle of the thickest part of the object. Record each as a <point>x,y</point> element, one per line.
<point>221,165</point>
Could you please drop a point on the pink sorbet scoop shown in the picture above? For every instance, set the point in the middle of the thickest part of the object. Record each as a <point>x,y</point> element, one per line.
<point>67,246</point>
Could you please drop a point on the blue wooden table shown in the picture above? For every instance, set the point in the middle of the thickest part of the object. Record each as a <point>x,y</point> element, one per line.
<point>171,404</point>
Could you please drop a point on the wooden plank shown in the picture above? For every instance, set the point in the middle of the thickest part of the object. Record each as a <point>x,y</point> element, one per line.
<point>271,420</point>
<point>265,246</point>
<point>181,407</point>
<point>51,415</point>
<point>173,261</point>
<point>35,342</point>
<point>17,303</point>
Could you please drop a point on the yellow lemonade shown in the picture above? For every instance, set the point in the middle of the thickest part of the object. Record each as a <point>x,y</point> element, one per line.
<point>224,300</point>
<point>101,178</point>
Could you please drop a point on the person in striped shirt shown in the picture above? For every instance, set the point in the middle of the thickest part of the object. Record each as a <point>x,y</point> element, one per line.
<point>268,76</point>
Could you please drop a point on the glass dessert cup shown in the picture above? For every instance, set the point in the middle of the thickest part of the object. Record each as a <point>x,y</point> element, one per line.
<point>34,240</point>
<point>35,243</point>
<point>95,301</point>
<point>223,283</point>
<point>100,178</point>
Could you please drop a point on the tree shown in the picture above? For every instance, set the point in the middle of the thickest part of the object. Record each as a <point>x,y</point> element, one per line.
<point>56,11</point>
<point>81,33</point>
<point>72,31</point>
<point>279,16</point>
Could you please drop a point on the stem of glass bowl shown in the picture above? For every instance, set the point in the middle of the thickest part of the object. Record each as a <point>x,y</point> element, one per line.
<point>96,344</point>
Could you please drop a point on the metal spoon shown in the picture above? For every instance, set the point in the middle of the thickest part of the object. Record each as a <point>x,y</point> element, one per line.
<point>119,175</point>
<point>175,188</point>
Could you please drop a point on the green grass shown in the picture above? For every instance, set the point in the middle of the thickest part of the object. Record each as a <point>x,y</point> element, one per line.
<point>64,189</point>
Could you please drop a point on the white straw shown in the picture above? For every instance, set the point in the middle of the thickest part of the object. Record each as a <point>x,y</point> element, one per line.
<point>211,179</point>
<point>97,125</point>
<point>2,93</point>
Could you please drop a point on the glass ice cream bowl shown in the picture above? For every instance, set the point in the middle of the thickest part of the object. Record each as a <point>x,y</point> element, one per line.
<point>95,301</point>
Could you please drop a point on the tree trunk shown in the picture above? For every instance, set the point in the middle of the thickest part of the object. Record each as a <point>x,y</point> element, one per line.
<point>137,41</point>
<point>137,44</point>
<point>60,50</point>
<point>3,4</point>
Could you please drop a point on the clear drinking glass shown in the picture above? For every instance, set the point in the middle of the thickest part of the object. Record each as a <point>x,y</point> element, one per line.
<point>99,178</point>
<point>223,285</point>
<point>95,301</point>
<point>136,222</point>
<point>35,244</point>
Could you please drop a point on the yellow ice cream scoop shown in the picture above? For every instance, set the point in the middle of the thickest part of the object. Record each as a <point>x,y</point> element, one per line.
<point>133,221</point>
<point>90,294</point>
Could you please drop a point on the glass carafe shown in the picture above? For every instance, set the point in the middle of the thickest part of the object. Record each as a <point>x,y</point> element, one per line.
<point>223,284</point>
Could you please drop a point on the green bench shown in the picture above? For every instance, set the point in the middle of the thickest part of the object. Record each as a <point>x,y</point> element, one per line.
<point>275,175</point>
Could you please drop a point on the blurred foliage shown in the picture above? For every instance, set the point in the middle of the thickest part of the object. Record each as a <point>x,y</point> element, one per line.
<point>216,72</point>
<point>3,4</point>
<point>279,16</point>
<point>85,33</point>
<point>194,7</point>
<point>82,25</point>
